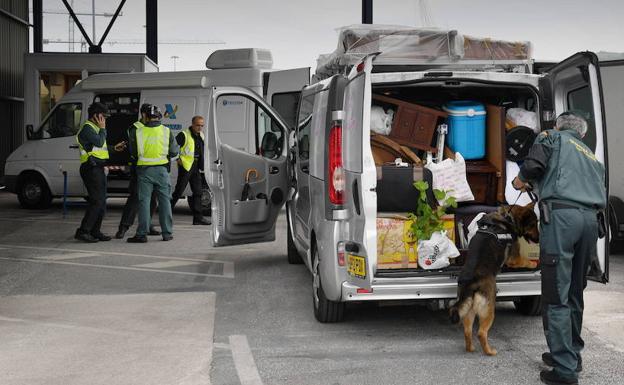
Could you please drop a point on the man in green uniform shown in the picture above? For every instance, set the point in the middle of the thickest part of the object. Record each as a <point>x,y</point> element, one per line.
<point>152,146</point>
<point>91,140</point>
<point>191,166</point>
<point>571,184</point>
<point>132,202</point>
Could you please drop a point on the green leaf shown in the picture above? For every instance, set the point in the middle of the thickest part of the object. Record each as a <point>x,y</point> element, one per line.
<point>421,185</point>
<point>439,194</point>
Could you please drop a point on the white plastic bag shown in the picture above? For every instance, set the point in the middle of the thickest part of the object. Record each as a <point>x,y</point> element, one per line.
<point>381,121</point>
<point>435,253</point>
<point>450,176</point>
<point>522,117</point>
<point>473,227</point>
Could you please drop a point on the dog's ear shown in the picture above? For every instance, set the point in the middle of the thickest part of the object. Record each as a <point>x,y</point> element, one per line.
<point>528,218</point>
<point>530,206</point>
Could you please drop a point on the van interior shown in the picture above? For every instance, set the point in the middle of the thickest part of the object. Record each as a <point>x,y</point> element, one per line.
<point>417,114</point>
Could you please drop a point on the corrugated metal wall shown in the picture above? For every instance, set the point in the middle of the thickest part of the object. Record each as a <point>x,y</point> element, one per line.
<point>13,45</point>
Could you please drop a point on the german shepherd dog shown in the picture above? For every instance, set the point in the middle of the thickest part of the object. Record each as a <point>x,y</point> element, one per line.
<point>488,251</point>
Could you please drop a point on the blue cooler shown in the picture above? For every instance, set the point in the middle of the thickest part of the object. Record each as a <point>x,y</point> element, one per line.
<point>466,123</point>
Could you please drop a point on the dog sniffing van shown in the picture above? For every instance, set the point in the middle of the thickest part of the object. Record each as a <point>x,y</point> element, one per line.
<point>34,171</point>
<point>328,178</point>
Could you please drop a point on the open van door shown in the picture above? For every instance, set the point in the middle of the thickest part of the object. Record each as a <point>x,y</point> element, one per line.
<point>574,84</point>
<point>283,89</point>
<point>248,187</point>
<point>360,180</point>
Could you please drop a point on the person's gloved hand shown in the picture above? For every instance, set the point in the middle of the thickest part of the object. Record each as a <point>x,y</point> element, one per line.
<point>518,184</point>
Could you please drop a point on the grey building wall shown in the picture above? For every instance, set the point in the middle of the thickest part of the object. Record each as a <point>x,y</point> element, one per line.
<point>13,45</point>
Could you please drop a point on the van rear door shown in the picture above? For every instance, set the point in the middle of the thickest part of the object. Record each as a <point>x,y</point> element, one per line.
<point>574,84</point>
<point>360,180</point>
<point>282,90</point>
<point>249,187</point>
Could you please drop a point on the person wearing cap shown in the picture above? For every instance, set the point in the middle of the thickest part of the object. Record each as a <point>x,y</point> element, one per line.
<point>191,166</point>
<point>571,185</point>
<point>152,146</point>
<point>91,138</point>
<point>132,202</point>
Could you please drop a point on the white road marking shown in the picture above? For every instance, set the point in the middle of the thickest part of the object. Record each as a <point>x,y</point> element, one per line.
<point>62,257</point>
<point>228,269</point>
<point>244,361</point>
<point>166,264</point>
<point>63,326</point>
<point>111,267</point>
<point>219,345</point>
<point>115,253</point>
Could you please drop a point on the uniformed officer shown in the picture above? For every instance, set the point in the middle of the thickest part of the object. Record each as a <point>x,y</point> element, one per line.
<point>132,202</point>
<point>571,184</point>
<point>153,145</point>
<point>191,166</point>
<point>91,140</point>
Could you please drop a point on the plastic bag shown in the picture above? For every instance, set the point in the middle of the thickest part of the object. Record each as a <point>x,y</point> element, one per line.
<point>522,117</point>
<point>450,176</point>
<point>474,226</point>
<point>381,121</point>
<point>435,253</point>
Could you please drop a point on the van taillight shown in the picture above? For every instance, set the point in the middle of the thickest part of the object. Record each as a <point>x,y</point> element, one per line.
<point>336,171</point>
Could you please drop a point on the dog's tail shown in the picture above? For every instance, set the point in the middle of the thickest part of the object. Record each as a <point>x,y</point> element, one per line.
<point>454,314</point>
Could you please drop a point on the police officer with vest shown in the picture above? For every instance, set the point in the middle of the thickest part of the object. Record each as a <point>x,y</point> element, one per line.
<point>571,184</point>
<point>132,202</point>
<point>190,167</point>
<point>152,146</point>
<point>91,140</point>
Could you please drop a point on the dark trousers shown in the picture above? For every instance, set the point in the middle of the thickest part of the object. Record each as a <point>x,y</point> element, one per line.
<point>131,208</point>
<point>567,244</point>
<point>94,180</point>
<point>193,177</point>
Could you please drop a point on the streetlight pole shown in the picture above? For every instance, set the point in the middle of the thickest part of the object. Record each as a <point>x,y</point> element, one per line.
<point>175,58</point>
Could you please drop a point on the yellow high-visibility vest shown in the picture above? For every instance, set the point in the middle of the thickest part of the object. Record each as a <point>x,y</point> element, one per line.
<point>187,152</point>
<point>97,152</point>
<point>152,144</point>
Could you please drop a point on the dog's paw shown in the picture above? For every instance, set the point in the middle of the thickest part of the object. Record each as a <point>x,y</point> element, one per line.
<point>470,349</point>
<point>491,352</point>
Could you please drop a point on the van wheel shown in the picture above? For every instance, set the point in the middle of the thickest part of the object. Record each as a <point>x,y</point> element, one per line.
<point>325,311</point>
<point>33,192</point>
<point>294,258</point>
<point>531,306</point>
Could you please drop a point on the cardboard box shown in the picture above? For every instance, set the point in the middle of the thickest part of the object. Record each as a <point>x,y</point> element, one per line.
<point>529,250</point>
<point>396,246</point>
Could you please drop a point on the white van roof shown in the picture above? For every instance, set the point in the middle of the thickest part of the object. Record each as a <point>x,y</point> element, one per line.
<point>248,77</point>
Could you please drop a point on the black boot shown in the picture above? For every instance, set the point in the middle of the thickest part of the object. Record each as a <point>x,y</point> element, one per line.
<point>202,221</point>
<point>153,231</point>
<point>137,239</point>
<point>84,236</point>
<point>121,232</point>
<point>551,378</point>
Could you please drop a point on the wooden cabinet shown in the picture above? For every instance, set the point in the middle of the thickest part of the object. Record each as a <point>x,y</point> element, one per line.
<point>413,125</point>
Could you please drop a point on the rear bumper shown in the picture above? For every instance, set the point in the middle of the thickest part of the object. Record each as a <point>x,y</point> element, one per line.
<point>510,286</point>
<point>10,182</point>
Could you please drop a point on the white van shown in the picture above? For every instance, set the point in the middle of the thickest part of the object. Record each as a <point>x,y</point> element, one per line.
<point>332,136</point>
<point>35,170</point>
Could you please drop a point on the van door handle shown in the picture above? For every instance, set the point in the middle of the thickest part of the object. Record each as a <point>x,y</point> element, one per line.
<point>305,168</point>
<point>73,146</point>
<point>273,170</point>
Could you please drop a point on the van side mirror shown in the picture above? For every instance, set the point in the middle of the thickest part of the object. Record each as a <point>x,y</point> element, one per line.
<point>30,132</point>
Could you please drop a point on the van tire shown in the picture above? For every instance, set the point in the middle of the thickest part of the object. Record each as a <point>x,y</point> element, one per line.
<point>294,258</point>
<point>33,192</point>
<point>325,310</point>
<point>530,305</point>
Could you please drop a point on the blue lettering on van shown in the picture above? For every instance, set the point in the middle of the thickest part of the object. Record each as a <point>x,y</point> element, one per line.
<point>174,127</point>
<point>170,111</point>
<point>232,102</point>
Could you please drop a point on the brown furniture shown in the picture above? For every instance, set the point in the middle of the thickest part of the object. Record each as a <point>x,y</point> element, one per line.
<point>413,125</point>
<point>495,147</point>
<point>385,150</point>
<point>481,176</point>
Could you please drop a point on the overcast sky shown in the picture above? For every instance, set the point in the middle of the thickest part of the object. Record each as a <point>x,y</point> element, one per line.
<point>297,31</point>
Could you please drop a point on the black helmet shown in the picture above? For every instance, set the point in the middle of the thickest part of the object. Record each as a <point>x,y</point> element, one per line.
<point>151,110</point>
<point>97,108</point>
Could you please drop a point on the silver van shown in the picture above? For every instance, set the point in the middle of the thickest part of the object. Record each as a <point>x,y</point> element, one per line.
<point>327,177</point>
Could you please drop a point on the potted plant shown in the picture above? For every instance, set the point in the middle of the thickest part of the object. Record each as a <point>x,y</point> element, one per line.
<point>434,246</point>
